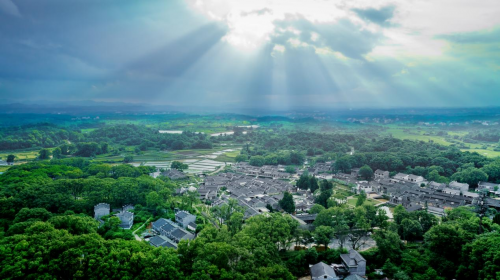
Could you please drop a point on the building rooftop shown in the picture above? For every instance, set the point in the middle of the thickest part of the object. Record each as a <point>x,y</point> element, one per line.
<point>353,258</point>
<point>321,269</point>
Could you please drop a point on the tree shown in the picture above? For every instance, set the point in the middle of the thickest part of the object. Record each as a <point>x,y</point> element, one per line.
<point>381,219</point>
<point>235,222</point>
<point>10,158</point>
<point>401,275</point>
<point>88,149</point>
<point>434,176</point>
<point>153,200</point>
<point>304,183</point>
<point>496,219</point>
<point>241,157</point>
<point>44,154</point>
<point>177,145</point>
<point>326,185</point>
<point>471,176</point>
<point>316,208</point>
<point>323,235</point>
<point>225,211</point>
<point>287,203</point>
<point>313,183</point>
<point>290,169</point>
<point>178,165</point>
<point>389,245</point>
<point>128,159</point>
<point>366,172</point>
<point>481,258</point>
<point>323,198</point>
<point>361,227</point>
<point>361,198</point>
<point>104,148</point>
<point>493,171</point>
<point>56,153</point>
<point>411,229</point>
<point>343,164</point>
<point>257,161</point>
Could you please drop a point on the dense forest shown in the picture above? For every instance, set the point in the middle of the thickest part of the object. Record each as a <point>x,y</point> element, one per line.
<point>42,135</point>
<point>90,144</point>
<point>433,161</point>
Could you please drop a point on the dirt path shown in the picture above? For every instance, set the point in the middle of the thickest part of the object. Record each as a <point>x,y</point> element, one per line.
<point>137,236</point>
<point>220,169</point>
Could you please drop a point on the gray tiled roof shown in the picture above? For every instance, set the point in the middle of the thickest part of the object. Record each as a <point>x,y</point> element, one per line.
<point>181,234</point>
<point>182,214</point>
<point>354,260</point>
<point>156,241</point>
<point>168,227</point>
<point>321,269</point>
<point>161,222</point>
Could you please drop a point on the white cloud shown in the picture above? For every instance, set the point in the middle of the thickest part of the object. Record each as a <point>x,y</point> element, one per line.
<point>412,31</point>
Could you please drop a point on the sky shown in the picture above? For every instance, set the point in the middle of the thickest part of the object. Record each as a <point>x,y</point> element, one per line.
<point>272,54</point>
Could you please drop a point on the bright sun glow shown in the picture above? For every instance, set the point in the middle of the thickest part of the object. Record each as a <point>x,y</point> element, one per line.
<point>253,23</point>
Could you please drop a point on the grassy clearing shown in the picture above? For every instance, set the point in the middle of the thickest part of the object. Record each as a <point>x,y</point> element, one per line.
<point>487,153</point>
<point>4,168</point>
<point>21,155</point>
<point>416,135</point>
<point>352,201</point>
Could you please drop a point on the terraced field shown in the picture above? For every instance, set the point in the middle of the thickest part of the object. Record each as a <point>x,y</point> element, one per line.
<point>199,161</point>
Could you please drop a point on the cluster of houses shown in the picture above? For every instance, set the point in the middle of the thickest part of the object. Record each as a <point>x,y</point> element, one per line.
<point>126,217</point>
<point>255,195</point>
<point>318,169</point>
<point>415,193</point>
<point>174,174</point>
<point>266,171</point>
<point>170,233</point>
<point>489,187</point>
<point>353,267</point>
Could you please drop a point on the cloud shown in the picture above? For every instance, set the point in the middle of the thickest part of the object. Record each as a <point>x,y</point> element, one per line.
<point>8,7</point>
<point>379,16</point>
<point>275,53</point>
<point>257,12</point>
<point>342,36</point>
<point>478,37</point>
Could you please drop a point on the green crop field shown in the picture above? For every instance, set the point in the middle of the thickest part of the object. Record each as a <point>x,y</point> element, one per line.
<point>21,155</point>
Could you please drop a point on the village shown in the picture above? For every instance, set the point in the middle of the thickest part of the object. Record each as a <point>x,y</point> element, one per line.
<point>258,190</point>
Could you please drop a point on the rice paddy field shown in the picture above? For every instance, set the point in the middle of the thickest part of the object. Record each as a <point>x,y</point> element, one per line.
<point>198,161</point>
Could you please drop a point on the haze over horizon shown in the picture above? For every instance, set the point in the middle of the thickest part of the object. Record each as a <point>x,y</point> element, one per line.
<point>270,54</point>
